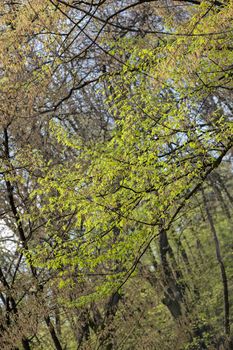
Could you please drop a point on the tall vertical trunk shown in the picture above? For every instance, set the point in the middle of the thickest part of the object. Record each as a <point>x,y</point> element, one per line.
<point>107,339</point>
<point>53,334</point>
<point>174,290</point>
<point>24,240</point>
<point>221,265</point>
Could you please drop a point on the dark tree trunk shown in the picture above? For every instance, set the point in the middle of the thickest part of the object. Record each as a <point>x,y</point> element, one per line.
<point>174,290</point>
<point>53,334</point>
<point>222,266</point>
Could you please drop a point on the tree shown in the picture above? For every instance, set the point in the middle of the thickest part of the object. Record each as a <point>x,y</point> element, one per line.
<point>90,203</point>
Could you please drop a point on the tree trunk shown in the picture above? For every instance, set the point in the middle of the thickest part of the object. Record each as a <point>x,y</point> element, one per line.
<point>222,267</point>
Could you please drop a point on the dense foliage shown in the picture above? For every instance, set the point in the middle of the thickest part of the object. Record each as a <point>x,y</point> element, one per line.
<point>116,174</point>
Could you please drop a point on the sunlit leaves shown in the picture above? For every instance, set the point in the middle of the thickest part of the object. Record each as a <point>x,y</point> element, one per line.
<point>169,133</point>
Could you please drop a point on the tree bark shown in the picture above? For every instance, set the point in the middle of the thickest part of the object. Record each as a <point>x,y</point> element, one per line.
<point>221,264</point>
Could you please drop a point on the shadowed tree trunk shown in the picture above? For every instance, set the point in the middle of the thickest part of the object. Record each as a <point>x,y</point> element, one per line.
<point>221,264</point>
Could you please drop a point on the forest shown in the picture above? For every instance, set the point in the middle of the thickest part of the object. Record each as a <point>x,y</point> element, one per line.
<point>116,164</point>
